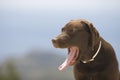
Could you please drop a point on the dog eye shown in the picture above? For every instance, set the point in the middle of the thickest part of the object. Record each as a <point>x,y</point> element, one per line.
<point>62,29</point>
<point>71,30</point>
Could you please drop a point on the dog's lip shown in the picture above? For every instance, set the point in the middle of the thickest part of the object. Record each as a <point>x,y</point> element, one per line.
<point>71,59</point>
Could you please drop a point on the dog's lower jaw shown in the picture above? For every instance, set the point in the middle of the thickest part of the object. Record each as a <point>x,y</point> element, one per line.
<point>71,59</point>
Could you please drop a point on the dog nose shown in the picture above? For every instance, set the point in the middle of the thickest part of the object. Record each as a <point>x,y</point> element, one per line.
<point>54,40</point>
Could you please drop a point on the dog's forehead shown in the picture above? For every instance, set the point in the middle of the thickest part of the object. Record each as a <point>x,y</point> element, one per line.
<point>74,24</point>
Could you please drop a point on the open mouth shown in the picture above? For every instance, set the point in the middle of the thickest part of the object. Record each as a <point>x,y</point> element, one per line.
<point>71,59</point>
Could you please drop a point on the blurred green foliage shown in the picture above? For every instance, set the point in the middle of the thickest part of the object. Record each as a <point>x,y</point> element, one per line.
<point>8,72</point>
<point>36,65</point>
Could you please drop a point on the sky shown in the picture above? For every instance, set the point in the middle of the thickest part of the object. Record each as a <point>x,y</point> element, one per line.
<point>94,5</point>
<point>28,4</point>
<point>29,24</point>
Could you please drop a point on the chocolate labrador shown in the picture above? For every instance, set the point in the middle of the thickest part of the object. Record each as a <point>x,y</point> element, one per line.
<point>93,57</point>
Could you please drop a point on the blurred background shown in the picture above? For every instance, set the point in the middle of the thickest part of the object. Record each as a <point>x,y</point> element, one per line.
<point>27,27</point>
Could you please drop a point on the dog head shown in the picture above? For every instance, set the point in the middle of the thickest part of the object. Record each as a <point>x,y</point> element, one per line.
<point>78,36</point>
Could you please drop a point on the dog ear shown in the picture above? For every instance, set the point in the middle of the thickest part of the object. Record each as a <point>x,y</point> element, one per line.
<point>94,38</point>
<point>94,35</point>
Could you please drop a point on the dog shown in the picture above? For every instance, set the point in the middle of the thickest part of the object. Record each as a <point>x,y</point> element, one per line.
<point>93,57</point>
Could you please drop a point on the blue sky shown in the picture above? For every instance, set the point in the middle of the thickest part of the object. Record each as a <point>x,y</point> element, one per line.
<point>28,24</point>
<point>59,4</point>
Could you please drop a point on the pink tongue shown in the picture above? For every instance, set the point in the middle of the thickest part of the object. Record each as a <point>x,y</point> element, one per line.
<point>70,59</point>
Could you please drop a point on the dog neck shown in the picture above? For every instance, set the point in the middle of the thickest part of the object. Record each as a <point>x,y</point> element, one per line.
<point>94,56</point>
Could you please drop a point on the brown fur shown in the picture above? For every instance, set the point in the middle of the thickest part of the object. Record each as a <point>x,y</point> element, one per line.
<point>83,34</point>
